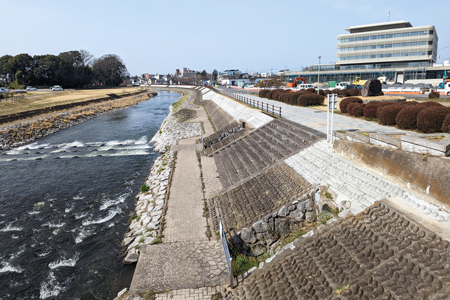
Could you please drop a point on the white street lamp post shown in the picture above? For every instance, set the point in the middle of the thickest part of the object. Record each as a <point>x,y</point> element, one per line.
<point>318,77</point>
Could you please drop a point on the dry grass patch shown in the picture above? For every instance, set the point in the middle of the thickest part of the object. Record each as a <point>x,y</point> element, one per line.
<point>59,98</point>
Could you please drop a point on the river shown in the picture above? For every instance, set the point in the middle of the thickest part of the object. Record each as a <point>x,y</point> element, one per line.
<point>65,202</point>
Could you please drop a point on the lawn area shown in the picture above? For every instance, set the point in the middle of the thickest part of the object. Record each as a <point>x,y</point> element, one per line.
<point>43,100</point>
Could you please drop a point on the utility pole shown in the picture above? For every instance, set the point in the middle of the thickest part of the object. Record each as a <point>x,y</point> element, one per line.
<point>318,77</point>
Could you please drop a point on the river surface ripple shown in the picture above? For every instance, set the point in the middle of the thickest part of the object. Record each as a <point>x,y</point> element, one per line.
<point>65,202</point>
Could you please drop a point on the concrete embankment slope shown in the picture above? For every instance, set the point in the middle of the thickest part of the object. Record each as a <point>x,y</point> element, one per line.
<point>238,111</point>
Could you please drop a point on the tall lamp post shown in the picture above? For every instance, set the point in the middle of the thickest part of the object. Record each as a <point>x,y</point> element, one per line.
<point>318,77</point>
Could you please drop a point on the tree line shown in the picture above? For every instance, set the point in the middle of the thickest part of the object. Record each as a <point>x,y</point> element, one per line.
<point>70,69</point>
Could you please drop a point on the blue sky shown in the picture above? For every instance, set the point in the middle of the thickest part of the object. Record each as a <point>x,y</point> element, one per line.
<point>161,36</point>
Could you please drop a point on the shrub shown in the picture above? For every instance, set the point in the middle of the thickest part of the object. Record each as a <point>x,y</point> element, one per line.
<point>345,102</point>
<point>380,105</point>
<point>335,91</point>
<point>358,109</point>
<point>431,119</point>
<point>407,117</point>
<point>351,106</point>
<point>344,93</point>
<point>286,97</point>
<point>446,124</point>
<point>294,96</point>
<point>310,99</point>
<point>370,110</point>
<point>388,114</point>
<point>434,95</point>
<point>431,103</point>
<point>269,94</point>
<point>354,92</point>
<point>144,188</point>
<point>263,93</point>
<point>311,90</point>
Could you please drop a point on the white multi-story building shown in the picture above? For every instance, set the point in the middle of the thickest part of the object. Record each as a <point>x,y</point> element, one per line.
<point>387,45</point>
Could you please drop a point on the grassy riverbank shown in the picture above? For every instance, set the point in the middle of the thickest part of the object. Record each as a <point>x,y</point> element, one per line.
<point>39,100</point>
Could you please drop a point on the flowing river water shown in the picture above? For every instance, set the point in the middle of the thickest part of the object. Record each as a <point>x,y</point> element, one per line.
<point>65,202</point>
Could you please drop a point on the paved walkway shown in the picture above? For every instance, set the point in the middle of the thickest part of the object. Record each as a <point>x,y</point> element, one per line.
<point>318,119</point>
<point>187,259</point>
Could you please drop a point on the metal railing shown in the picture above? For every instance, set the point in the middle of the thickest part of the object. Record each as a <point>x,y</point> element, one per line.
<point>228,257</point>
<point>269,108</point>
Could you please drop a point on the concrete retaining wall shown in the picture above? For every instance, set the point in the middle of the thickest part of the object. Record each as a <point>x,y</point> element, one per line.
<point>426,173</point>
<point>238,111</point>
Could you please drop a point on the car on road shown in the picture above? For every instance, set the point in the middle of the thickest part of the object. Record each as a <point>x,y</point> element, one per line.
<point>30,88</point>
<point>3,90</point>
<point>57,88</point>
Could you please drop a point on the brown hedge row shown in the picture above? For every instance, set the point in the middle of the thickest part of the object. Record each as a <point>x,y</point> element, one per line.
<point>388,114</point>
<point>345,102</point>
<point>431,119</point>
<point>310,100</point>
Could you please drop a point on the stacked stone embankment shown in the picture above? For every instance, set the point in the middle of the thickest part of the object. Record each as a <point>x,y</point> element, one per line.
<point>378,254</point>
<point>145,225</point>
<point>258,212</point>
<point>357,186</point>
<point>238,111</point>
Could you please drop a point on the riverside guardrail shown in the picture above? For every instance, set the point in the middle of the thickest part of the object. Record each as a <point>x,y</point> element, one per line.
<point>269,108</point>
<point>227,251</point>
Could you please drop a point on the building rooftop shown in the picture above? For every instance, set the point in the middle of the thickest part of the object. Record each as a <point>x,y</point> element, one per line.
<point>379,26</point>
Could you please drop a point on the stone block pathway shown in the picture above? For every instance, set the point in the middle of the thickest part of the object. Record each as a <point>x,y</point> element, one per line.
<point>180,265</point>
<point>187,259</point>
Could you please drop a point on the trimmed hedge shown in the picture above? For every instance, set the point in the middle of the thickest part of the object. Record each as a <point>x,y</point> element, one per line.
<point>380,105</point>
<point>345,102</point>
<point>431,119</point>
<point>311,90</point>
<point>434,95</point>
<point>350,107</point>
<point>354,92</point>
<point>407,117</point>
<point>263,93</point>
<point>370,110</point>
<point>446,124</point>
<point>388,114</point>
<point>358,109</point>
<point>310,100</point>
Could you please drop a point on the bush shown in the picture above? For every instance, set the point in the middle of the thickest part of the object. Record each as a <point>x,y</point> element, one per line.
<point>263,93</point>
<point>407,117</point>
<point>269,94</point>
<point>434,95</point>
<point>294,96</point>
<point>370,110</point>
<point>358,109</point>
<point>344,93</point>
<point>431,103</point>
<point>335,91</point>
<point>380,105</point>
<point>345,102</point>
<point>446,124</point>
<point>311,90</point>
<point>431,119</point>
<point>354,92</point>
<point>351,106</point>
<point>388,114</point>
<point>310,100</point>
<point>144,188</point>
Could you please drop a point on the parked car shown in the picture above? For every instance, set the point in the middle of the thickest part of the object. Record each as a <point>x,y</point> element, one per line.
<point>3,90</point>
<point>30,88</point>
<point>57,88</point>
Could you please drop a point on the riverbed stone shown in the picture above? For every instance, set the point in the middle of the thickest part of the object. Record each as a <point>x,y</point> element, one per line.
<point>131,257</point>
<point>283,212</point>
<point>297,215</point>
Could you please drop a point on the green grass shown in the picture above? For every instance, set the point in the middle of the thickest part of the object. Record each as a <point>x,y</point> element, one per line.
<point>144,188</point>
<point>179,104</point>
<point>243,263</point>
